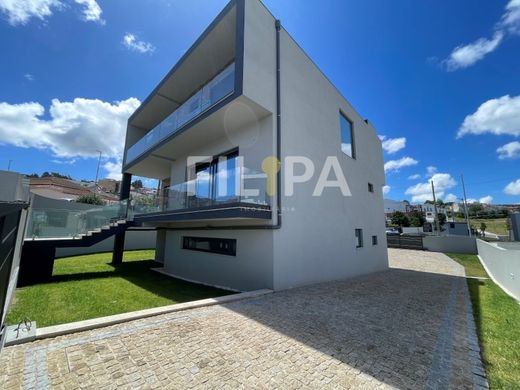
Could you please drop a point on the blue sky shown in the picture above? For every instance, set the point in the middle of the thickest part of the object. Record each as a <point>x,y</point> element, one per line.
<point>438,79</point>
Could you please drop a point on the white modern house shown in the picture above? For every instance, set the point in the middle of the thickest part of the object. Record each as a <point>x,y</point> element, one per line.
<point>253,146</point>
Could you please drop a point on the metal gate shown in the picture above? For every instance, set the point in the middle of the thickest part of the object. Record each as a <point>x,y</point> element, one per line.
<point>10,213</point>
<point>405,242</point>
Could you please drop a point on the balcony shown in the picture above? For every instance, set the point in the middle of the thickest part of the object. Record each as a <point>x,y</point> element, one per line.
<point>206,97</point>
<point>230,193</point>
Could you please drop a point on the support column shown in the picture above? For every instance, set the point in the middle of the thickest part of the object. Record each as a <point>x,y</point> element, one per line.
<point>119,239</point>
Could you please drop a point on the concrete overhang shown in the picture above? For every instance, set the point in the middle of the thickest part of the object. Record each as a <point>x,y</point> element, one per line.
<point>212,52</point>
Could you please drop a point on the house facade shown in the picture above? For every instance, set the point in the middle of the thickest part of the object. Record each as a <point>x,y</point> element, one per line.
<point>253,146</point>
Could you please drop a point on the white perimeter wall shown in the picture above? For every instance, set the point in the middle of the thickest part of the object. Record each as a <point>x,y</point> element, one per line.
<point>455,244</point>
<point>502,265</point>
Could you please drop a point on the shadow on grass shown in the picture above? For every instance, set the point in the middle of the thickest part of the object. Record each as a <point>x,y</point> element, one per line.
<point>140,274</point>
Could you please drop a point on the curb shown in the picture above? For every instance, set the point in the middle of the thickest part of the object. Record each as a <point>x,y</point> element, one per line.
<point>101,322</point>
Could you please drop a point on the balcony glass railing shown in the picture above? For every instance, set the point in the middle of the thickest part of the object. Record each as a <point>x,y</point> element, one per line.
<point>61,223</point>
<point>225,188</point>
<point>218,88</point>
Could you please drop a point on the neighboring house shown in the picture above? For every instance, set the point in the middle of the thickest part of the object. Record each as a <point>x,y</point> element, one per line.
<point>429,212</point>
<point>110,185</point>
<point>64,189</point>
<point>246,95</point>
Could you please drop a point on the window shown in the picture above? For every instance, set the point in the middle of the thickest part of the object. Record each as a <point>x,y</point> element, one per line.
<point>215,181</point>
<point>370,187</point>
<point>374,240</point>
<point>223,246</point>
<point>452,225</point>
<point>347,136</point>
<point>359,238</point>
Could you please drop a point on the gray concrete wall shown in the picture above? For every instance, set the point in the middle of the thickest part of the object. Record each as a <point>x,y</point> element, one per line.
<point>14,186</point>
<point>502,263</point>
<point>317,241</point>
<point>455,244</point>
<point>133,240</point>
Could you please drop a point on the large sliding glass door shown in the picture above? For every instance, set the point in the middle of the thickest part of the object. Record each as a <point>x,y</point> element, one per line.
<point>216,182</point>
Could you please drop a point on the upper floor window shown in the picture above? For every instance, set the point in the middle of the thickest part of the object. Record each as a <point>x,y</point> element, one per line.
<point>347,136</point>
<point>370,187</point>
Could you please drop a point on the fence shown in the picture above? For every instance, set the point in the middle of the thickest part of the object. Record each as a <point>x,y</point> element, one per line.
<point>12,217</point>
<point>456,244</point>
<point>405,242</point>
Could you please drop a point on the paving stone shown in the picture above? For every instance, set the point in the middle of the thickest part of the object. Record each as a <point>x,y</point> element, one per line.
<point>410,327</point>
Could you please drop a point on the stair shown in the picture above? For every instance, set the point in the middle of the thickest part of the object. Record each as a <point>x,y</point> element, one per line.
<point>82,240</point>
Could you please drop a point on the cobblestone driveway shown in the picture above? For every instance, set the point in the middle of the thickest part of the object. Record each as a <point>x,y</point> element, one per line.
<point>406,328</point>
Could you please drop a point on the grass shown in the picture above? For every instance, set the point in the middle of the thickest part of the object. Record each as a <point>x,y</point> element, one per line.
<point>497,225</point>
<point>85,287</point>
<point>497,316</point>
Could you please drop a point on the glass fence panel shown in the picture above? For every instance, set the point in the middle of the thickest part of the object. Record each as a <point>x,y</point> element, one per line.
<point>215,90</point>
<point>62,223</point>
<point>228,186</point>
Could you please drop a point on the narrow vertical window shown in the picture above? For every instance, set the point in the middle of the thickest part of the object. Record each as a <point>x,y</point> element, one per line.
<point>370,187</point>
<point>347,136</point>
<point>359,238</point>
<point>374,240</point>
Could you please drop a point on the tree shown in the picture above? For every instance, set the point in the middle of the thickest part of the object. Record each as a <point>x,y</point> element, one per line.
<point>35,175</point>
<point>416,219</point>
<point>483,227</point>
<point>56,174</point>
<point>400,219</point>
<point>137,184</point>
<point>442,219</point>
<point>90,199</point>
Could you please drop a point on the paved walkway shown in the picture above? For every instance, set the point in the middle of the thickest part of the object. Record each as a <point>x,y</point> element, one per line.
<point>407,328</point>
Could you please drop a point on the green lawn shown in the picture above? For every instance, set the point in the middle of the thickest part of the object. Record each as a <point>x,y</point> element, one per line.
<point>497,317</point>
<point>497,225</point>
<point>85,287</point>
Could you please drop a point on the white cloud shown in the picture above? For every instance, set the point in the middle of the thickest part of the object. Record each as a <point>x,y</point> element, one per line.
<point>74,129</point>
<point>450,198</point>
<point>28,77</point>
<point>423,191</point>
<point>414,177</point>
<point>511,18</point>
<point>19,12</point>
<point>113,169</point>
<point>471,200</point>
<point>393,145</point>
<point>431,170</point>
<point>465,56</point>
<point>131,42</point>
<point>513,188</point>
<point>386,189</point>
<point>91,11</point>
<point>510,150</point>
<point>486,199</point>
<point>495,116</point>
<point>396,165</point>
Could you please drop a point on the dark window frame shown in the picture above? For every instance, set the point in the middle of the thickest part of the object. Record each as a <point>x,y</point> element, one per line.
<point>189,243</point>
<point>359,237</point>
<point>374,240</point>
<point>370,187</point>
<point>352,137</point>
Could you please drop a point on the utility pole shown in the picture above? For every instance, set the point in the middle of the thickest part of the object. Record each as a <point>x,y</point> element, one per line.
<point>436,222</point>
<point>9,165</point>
<point>97,170</point>
<point>465,204</point>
